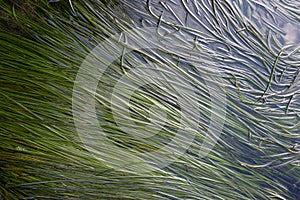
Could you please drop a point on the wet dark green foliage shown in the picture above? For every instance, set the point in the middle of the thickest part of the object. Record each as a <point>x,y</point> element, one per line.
<point>255,46</point>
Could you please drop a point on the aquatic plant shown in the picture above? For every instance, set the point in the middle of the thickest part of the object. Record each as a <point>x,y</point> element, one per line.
<point>246,50</point>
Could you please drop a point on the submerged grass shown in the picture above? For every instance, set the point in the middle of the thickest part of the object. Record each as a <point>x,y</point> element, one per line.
<point>251,43</point>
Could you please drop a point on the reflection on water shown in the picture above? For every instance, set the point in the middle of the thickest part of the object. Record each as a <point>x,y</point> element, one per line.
<point>254,45</point>
<point>292,34</point>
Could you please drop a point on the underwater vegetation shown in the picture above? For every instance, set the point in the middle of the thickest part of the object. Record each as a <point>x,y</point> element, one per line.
<point>196,99</point>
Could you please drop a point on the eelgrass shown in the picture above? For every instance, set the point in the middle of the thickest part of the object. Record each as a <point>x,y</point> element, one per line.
<point>43,45</point>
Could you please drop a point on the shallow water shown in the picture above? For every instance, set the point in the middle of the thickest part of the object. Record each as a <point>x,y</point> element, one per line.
<point>255,47</point>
